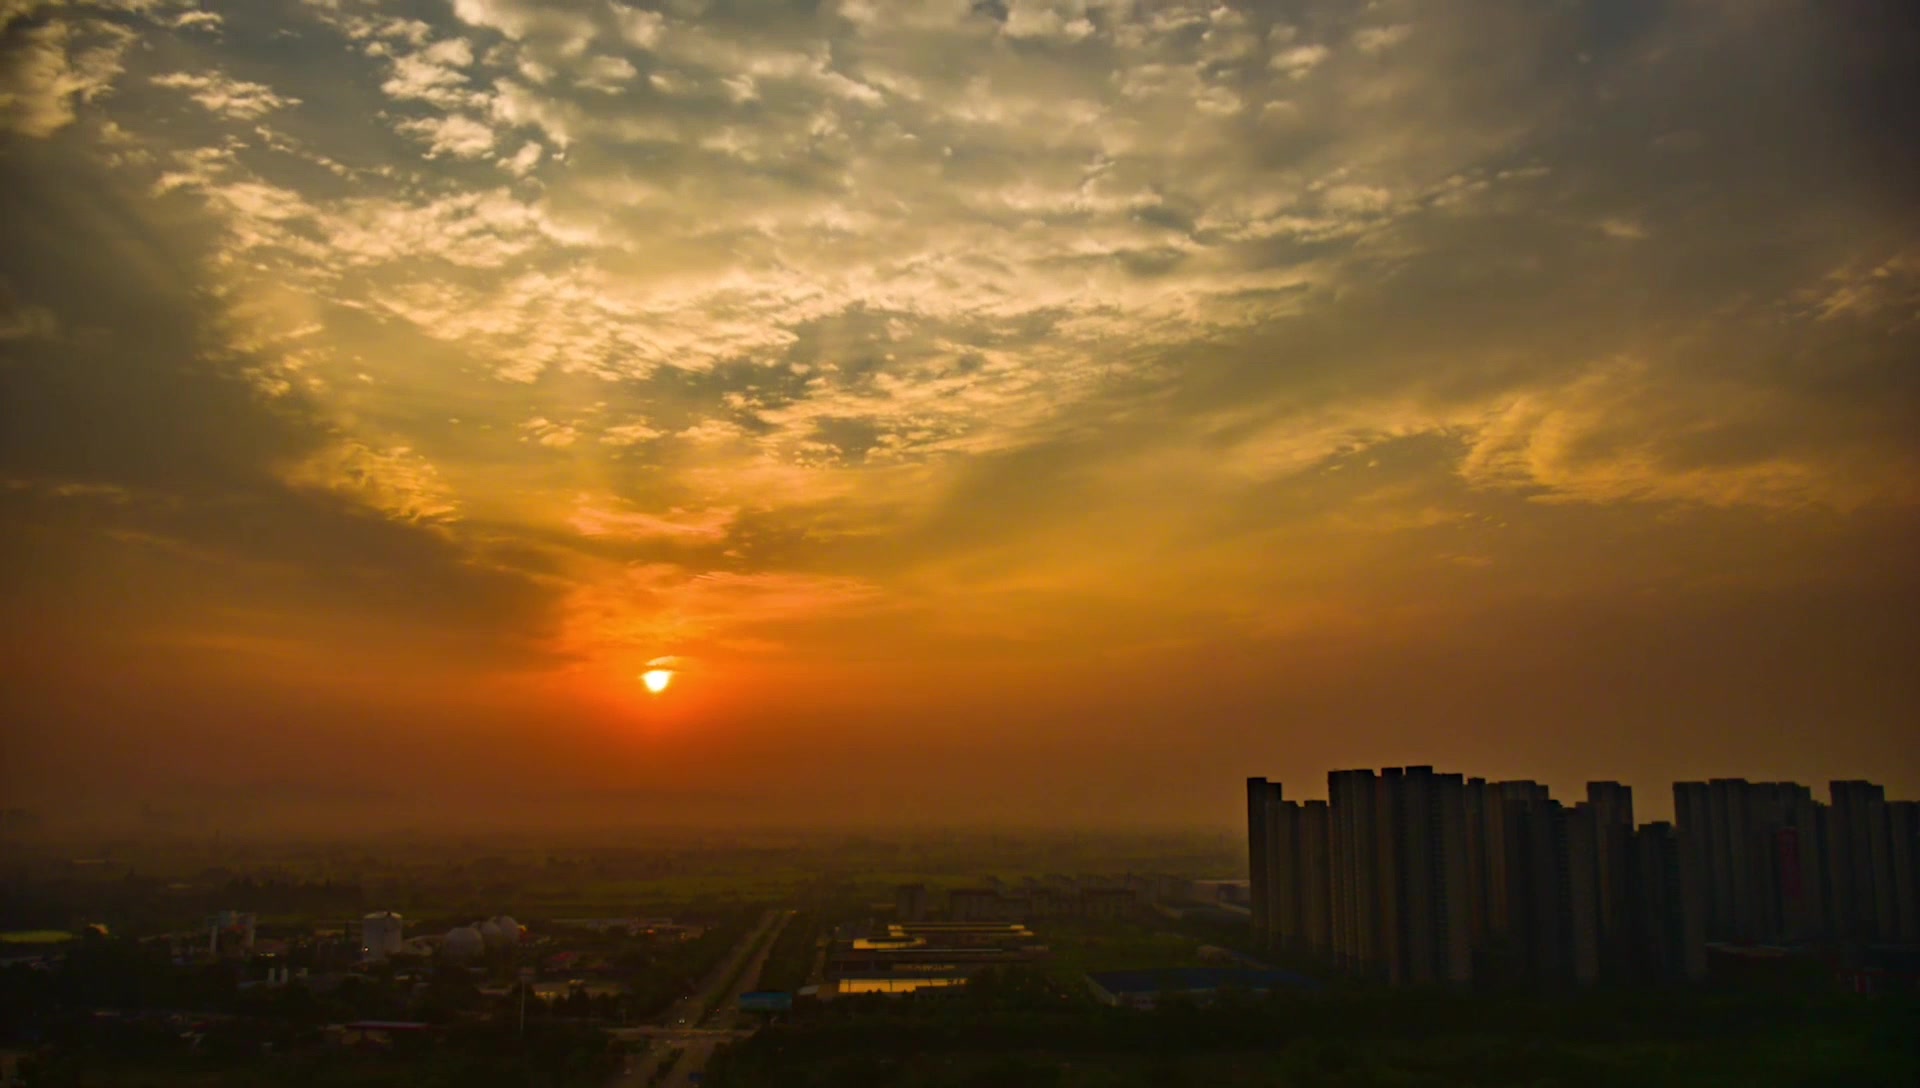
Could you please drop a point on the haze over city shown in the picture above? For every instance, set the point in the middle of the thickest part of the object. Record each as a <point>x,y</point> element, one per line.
<point>1018,414</point>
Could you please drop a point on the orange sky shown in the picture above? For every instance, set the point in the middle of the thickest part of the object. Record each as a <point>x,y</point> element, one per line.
<point>1025,412</point>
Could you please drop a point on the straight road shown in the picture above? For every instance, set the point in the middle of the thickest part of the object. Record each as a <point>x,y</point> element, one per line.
<point>726,1016</point>
<point>684,1015</point>
<point>694,1062</point>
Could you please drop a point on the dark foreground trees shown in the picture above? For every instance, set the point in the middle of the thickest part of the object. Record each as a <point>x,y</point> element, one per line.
<point>1380,1038</point>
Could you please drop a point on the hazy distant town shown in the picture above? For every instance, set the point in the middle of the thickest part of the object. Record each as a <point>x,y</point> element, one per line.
<point>1412,925</point>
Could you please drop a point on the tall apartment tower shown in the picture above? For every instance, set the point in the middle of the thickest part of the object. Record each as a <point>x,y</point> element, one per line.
<point>1392,877</point>
<point>1763,853</point>
<point>1260,795</point>
<point>1551,898</point>
<point>1610,809</point>
<point>1859,861</point>
<point>1731,861</point>
<point>1666,916</point>
<point>1692,822</point>
<point>1712,818</point>
<point>1288,847</point>
<point>1786,829</point>
<point>1583,894</point>
<point>1353,849</point>
<point>1903,855</point>
<point>1316,894</point>
<point>1431,938</point>
<point>1483,860</point>
<point>1283,872</point>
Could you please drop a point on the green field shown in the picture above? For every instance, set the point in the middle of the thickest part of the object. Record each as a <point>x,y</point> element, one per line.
<point>1011,1040</point>
<point>1077,947</point>
<point>35,936</point>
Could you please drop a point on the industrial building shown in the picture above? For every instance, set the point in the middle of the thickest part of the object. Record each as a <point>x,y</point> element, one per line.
<point>230,933</point>
<point>1030,899</point>
<point>1200,985</point>
<point>905,956</point>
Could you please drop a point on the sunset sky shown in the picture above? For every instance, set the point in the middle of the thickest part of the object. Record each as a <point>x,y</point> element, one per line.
<point>1001,412</point>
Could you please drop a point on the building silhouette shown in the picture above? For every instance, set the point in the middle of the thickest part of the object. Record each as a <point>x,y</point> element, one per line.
<point>1406,876</point>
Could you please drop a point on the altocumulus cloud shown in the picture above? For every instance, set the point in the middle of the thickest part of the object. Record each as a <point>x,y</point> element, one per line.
<point>725,284</point>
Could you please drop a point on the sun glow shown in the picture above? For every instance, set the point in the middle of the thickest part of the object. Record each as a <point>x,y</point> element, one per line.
<point>657,679</point>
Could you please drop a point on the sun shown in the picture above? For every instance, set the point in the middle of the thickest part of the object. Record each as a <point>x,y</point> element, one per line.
<point>657,679</point>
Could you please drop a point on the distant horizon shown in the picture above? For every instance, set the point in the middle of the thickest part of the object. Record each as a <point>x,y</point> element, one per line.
<point>272,816</point>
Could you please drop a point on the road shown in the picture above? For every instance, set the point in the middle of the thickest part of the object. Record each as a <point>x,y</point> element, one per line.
<point>686,1030</point>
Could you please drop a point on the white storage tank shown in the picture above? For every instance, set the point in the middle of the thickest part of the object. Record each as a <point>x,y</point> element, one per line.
<point>380,935</point>
<point>462,944</point>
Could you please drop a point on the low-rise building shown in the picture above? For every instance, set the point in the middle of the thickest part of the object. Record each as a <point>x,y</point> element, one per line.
<point>1202,985</point>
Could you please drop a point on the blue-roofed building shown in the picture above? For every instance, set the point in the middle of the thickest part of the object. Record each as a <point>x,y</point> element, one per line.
<point>1142,989</point>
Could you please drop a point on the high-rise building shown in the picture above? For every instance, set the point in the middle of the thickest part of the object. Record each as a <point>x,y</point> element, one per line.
<point>1259,790</point>
<point>1666,915</point>
<point>1692,826</point>
<point>1283,873</point>
<point>1379,879</point>
<point>1761,850</point>
<point>1583,862</point>
<point>1729,862</point>
<point>1354,845</point>
<point>1610,808</point>
<point>1789,860</point>
<point>1551,895</point>
<point>1427,935</point>
<point>1412,877</point>
<point>1316,895</point>
<point>1481,860</point>
<point>1859,862</point>
<point>1903,856</point>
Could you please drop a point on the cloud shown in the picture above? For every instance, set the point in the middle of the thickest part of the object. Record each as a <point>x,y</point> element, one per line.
<point>1626,230</point>
<point>394,480</point>
<point>434,75</point>
<point>1378,39</point>
<point>523,19</point>
<point>603,518</point>
<point>24,320</point>
<point>607,74</point>
<point>111,493</point>
<point>627,434</point>
<point>522,162</point>
<point>1064,20</point>
<point>634,612</point>
<point>810,267</point>
<point>46,68</point>
<point>456,135</point>
<point>548,433</point>
<point>639,27</point>
<point>234,98</point>
<point>1623,431</point>
<point>205,20</point>
<point>1297,61</point>
<point>1864,290</point>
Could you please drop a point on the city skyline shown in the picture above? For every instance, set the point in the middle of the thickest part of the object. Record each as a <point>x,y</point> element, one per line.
<point>1409,876</point>
<point>542,412</point>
